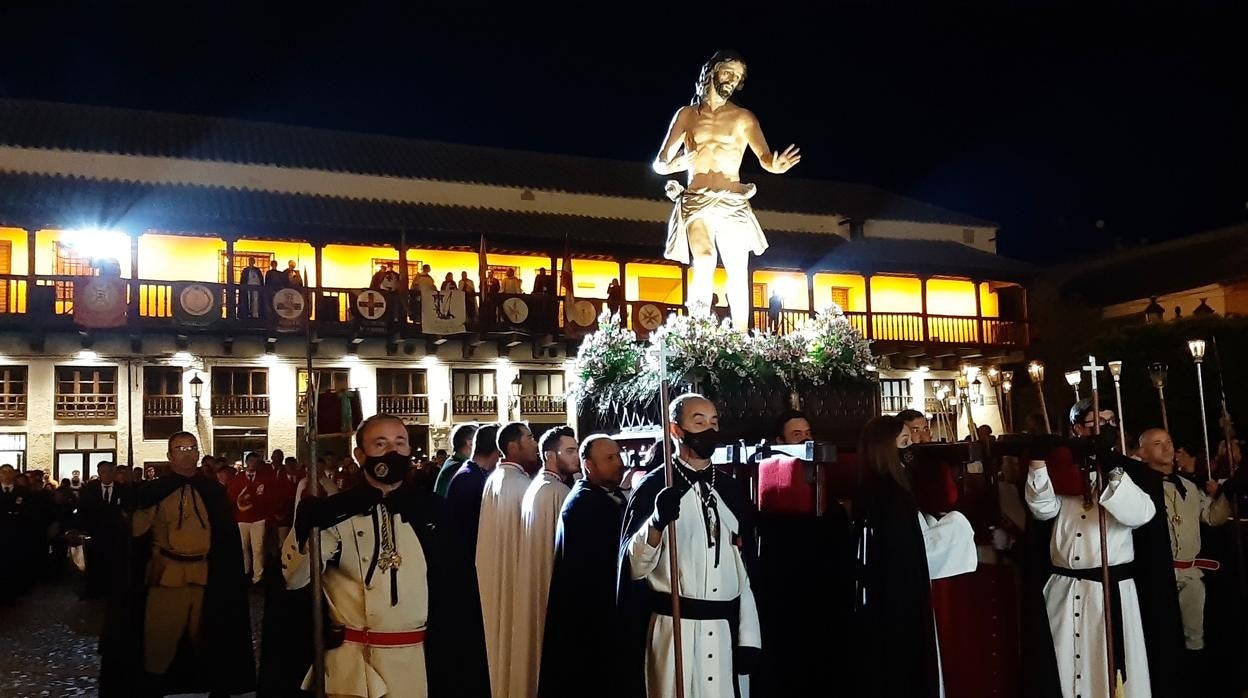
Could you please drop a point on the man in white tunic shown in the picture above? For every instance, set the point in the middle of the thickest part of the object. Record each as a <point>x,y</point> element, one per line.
<point>539,514</point>
<point>1187,507</point>
<point>378,546</point>
<point>1073,595</point>
<point>719,620</point>
<point>499,544</point>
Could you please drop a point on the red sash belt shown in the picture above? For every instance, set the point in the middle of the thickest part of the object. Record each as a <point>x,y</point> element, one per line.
<point>376,638</point>
<point>1198,563</point>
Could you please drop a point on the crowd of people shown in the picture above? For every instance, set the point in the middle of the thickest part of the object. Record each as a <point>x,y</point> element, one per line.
<point>522,564</point>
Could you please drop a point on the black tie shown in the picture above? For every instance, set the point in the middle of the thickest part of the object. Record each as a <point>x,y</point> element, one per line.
<point>108,494</point>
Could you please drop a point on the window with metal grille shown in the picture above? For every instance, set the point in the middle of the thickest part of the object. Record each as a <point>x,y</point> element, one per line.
<point>12,392</point>
<point>242,260</point>
<point>474,392</point>
<point>86,392</point>
<point>894,394</point>
<point>6,267</point>
<point>542,392</point>
<point>162,401</point>
<point>840,296</point>
<point>402,392</point>
<point>240,392</point>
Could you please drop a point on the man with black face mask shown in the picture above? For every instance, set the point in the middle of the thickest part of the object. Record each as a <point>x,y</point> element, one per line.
<point>388,582</point>
<point>721,635</point>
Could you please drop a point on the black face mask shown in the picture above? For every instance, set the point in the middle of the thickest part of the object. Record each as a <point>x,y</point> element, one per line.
<point>389,468</point>
<point>907,455</point>
<point>703,443</point>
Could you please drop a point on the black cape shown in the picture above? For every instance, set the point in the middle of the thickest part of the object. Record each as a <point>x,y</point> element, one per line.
<point>582,591</point>
<point>893,625</point>
<point>227,664</point>
<point>633,596</point>
<point>1153,571</point>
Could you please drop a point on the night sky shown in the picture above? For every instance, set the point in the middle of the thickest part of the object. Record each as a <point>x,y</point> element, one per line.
<point>1042,117</point>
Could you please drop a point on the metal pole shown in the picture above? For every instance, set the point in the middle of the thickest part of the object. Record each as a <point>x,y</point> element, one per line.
<point>314,539</point>
<point>1122,421</point>
<point>1161,398</point>
<point>1044,409</point>
<point>673,565</point>
<point>1204,419</point>
<point>1106,602</point>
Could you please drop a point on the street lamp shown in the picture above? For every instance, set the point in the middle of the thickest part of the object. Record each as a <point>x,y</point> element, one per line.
<point>1157,373</point>
<point>1073,379</point>
<point>1197,349</point>
<point>1035,370</point>
<point>517,389</point>
<point>1115,370</point>
<point>994,380</point>
<point>1006,386</point>
<point>197,389</point>
<point>1154,313</point>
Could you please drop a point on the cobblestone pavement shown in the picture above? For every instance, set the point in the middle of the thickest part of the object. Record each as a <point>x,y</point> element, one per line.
<point>48,641</point>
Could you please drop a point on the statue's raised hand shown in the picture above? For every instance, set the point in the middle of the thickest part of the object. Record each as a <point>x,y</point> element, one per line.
<point>782,162</point>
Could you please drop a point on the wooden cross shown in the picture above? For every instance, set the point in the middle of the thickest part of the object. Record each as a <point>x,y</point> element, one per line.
<point>1093,369</point>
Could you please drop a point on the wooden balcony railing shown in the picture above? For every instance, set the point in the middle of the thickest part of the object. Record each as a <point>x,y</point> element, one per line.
<point>475,404</point>
<point>894,403</point>
<point>240,405</point>
<point>404,405</point>
<point>13,407</point>
<point>162,406</point>
<point>152,303</point>
<point>86,406</point>
<point>543,404</point>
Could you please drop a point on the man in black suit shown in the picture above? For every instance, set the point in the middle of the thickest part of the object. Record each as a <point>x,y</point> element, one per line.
<point>12,532</point>
<point>101,514</point>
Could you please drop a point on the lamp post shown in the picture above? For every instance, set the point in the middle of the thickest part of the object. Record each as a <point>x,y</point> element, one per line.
<point>197,389</point>
<point>1115,370</point>
<point>964,393</point>
<point>517,389</point>
<point>1035,370</point>
<point>994,380</point>
<point>1157,372</point>
<point>1197,349</point>
<point>1073,379</point>
<point>1006,386</point>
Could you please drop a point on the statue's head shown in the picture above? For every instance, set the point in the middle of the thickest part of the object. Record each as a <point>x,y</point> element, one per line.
<point>724,73</point>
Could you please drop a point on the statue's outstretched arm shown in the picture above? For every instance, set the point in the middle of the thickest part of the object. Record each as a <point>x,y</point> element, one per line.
<point>774,162</point>
<point>667,162</point>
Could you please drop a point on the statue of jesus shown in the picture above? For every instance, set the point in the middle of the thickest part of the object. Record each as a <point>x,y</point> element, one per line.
<point>708,139</point>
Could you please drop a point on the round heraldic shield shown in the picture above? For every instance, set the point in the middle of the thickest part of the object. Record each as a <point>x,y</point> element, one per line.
<point>370,305</point>
<point>650,316</point>
<point>196,300</point>
<point>583,313</point>
<point>288,304</point>
<point>516,310</point>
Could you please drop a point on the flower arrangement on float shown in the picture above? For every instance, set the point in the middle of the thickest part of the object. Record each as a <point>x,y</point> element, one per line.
<point>613,368</point>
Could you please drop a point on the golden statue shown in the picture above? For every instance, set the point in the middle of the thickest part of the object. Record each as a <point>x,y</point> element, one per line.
<point>707,139</point>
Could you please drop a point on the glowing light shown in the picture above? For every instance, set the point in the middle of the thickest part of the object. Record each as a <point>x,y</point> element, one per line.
<point>86,355</point>
<point>925,369</point>
<point>268,359</point>
<point>871,368</point>
<point>351,358</point>
<point>98,243</point>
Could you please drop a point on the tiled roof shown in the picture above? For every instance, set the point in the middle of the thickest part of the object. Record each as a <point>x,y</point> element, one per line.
<point>31,124</point>
<point>1216,256</point>
<point>43,200</point>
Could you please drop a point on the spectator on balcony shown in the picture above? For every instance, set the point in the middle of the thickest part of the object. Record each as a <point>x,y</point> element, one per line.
<point>615,298</point>
<point>469,289</point>
<point>293,278</point>
<point>774,305</point>
<point>385,280</point>
<point>250,282</point>
<point>274,279</point>
<point>511,284</point>
<point>108,267</point>
<point>493,286</point>
<point>424,281</point>
<point>544,283</point>
<point>448,284</point>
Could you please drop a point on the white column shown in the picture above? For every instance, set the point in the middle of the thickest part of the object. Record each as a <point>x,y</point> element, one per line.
<point>40,408</point>
<point>283,414</point>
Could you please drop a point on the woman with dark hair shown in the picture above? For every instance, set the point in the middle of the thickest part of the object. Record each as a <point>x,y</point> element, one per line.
<point>900,550</point>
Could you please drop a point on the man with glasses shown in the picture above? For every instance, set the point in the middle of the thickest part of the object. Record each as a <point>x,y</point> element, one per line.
<point>192,618</point>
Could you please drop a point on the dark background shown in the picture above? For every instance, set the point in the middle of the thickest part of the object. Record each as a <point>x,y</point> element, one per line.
<point>1043,117</point>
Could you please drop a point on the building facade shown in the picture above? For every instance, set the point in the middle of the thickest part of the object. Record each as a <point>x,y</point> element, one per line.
<point>130,241</point>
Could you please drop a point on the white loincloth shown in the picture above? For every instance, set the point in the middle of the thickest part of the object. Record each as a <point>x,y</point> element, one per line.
<point>725,212</point>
